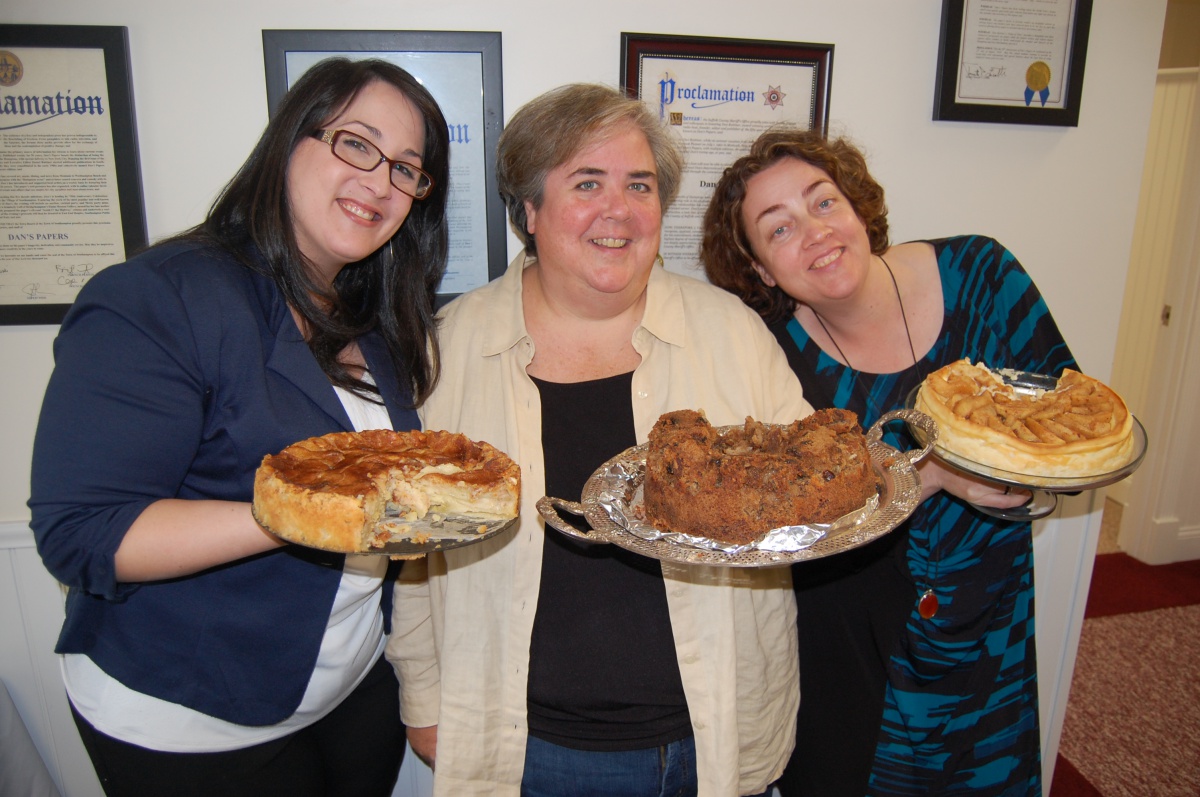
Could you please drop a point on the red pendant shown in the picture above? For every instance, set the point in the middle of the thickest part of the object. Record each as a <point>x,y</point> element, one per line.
<point>928,605</point>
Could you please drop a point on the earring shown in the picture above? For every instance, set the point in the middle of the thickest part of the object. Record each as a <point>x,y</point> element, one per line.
<point>658,260</point>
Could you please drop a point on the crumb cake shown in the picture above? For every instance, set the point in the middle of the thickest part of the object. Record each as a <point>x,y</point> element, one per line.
<point>331,492</point>
<point>734,487</point>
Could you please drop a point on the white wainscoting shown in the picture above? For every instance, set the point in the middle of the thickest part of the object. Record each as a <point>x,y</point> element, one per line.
<point>31,613</point>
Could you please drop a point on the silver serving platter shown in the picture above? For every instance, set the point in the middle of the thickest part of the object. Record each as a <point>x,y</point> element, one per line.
<point>617,483</point>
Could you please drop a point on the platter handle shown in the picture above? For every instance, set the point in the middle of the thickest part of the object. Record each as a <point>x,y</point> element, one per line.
<point>548,507</point>
<point>913,418</point>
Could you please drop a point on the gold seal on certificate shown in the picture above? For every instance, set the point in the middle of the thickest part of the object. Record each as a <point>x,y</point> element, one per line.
<point>1037,76</point>
<point>1037,82</point>
<point>11,69</point>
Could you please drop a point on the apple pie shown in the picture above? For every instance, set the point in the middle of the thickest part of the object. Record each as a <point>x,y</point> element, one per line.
<point>1079,428</point>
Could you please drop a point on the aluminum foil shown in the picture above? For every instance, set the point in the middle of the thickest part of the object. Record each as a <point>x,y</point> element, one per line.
<point>620,496</point>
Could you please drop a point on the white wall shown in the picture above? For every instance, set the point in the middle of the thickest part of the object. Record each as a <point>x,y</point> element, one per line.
<point>1063,199</point>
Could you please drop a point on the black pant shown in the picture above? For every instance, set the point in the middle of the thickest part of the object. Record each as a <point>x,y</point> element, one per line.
<point>354,751</point>
<point>851,613</point>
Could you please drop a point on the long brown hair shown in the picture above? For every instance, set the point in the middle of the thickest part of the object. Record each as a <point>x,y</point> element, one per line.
<point>391,291</point>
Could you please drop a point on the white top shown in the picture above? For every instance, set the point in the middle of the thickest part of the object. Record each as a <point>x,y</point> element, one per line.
<point>352,644</point>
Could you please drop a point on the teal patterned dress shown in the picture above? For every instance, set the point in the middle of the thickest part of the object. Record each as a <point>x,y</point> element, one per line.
<point>893,704</point>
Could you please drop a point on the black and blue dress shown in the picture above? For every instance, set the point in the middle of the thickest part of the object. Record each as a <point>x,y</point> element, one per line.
<point>891,703</point>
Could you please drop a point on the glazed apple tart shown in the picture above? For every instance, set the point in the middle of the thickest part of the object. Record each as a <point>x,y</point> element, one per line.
<point>1079,428</point>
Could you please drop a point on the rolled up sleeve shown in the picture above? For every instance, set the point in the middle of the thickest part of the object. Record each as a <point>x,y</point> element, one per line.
<point>120,423</point>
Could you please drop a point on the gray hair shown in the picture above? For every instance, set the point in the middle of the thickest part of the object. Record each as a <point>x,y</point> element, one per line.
<point>548,130</point>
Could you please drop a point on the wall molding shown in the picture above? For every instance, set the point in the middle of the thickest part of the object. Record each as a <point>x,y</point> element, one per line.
<point>16,534</point>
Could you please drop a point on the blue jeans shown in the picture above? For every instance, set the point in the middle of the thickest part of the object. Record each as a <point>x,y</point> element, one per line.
<point>553,771</point>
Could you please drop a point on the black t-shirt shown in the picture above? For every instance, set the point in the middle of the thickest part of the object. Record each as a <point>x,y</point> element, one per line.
<point>603,673</point>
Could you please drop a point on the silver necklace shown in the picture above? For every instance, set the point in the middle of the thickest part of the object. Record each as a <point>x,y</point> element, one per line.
<point>927,604</point>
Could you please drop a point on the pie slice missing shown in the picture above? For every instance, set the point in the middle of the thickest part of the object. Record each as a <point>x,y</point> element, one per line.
<point>352,492</point>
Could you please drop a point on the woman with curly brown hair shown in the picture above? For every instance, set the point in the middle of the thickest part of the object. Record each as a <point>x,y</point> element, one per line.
<point>917,656</point>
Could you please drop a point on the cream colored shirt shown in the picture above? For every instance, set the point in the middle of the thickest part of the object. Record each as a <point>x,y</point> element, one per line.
<point>463,619</point>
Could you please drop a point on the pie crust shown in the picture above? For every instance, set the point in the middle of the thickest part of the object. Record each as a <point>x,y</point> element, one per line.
<point>1080,428</point>
<point>331,492</point>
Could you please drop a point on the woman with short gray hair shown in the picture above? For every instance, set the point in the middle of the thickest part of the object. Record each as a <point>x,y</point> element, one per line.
<point>534,663</point>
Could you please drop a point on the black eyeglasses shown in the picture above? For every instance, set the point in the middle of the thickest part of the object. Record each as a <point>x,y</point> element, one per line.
<point>360,153</point>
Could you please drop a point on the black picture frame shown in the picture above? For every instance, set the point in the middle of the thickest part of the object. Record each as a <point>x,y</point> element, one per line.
<point>946,106</point>
<point>278,44</point>
<point>637,46</point>
<point>113,41</point>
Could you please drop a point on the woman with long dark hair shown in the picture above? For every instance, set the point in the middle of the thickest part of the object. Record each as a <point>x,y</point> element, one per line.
<point>201,654</point>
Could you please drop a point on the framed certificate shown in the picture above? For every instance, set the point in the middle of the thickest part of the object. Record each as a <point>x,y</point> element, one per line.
<point>718,95</point>
<point>462,70</point>
<point>70,181</point>
<point>1012,61</point>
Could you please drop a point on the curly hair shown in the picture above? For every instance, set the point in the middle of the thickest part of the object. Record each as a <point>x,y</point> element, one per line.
<point>725,249</point>
<point>550,129</point>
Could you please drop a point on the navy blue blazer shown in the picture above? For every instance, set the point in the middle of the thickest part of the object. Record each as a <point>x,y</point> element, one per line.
<point>175,373</point>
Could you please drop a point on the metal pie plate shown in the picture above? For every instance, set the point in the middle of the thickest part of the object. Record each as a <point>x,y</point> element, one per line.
<point>1043,488</point>
<point>436,534</point>
<point>611,501</point>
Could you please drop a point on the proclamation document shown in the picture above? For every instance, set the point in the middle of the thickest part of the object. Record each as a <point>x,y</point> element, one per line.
<point>60,213</point>
<point>455,79</point>
<point>1015,52</point>
<point>717,107</point>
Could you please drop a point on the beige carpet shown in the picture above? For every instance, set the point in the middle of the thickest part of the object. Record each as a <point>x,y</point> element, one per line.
<point>1132,725</point>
